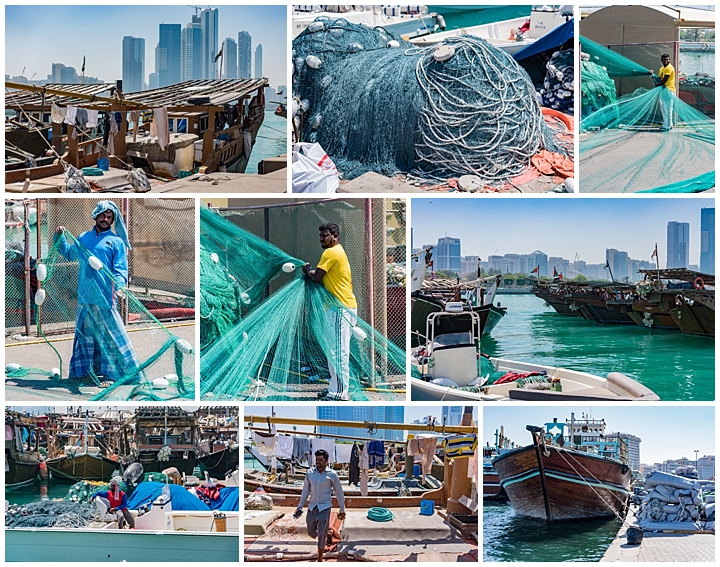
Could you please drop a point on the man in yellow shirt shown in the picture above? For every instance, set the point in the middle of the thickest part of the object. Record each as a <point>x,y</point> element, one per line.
<point>666,79</point>
<point>333,271</point>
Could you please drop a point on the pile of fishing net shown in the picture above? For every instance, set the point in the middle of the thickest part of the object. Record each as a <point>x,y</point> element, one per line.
<point>163,366</point>
<point>597,88</point>
<point>374,102</point>
<point>558,91</point>
<point>281,348</point>
<point>83,490</point>
<point>624,147</point>
<point>51,513</point>
<point>673,502</point>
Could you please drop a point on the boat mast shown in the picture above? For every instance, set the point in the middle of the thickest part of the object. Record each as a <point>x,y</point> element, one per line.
<point>85,433</point>
<point>535,431</point>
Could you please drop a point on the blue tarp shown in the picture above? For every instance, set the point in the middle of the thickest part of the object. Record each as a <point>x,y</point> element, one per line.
<point>147,492</point>
<point>550,41</point>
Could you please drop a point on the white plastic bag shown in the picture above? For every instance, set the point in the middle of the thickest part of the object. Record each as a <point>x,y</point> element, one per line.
<point>312,170</point>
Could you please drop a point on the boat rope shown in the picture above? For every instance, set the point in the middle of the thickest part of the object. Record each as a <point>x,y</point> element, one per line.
<point>618,516</point>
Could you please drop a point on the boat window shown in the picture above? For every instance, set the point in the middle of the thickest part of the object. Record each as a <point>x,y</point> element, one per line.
<point>171,125</point>
<point>182,126</point>
<point>451,339</point>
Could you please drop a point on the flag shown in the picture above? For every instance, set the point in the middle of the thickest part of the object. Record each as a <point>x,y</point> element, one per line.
<point>560,276</point>
<point>654,254</point>
<point>535,271</point>
<point>83,66</point>
<point>607,265</point>
<point>219,55</point>
<point>555,274</point>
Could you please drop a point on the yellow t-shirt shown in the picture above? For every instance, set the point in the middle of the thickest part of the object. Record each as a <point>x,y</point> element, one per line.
<point>338,278</point>
<point>668,70</point>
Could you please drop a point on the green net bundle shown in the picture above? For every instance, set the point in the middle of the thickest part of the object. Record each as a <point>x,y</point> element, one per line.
<point>158,354</point>
<point>283,346</point>
<point>597,88</point>
<point>387,109</point>
<point>625,146</point>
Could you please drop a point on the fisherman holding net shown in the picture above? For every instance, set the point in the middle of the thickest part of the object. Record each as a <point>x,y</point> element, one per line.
<point>320,482</point>
<point>333,271</point>
<point>101,348</point>
<point>666,78</point>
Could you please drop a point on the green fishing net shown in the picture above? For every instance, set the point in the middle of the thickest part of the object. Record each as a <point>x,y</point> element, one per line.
<point>646,140</point>
<point>158,354</point>
<point>283,346</point>
<point>375,102</point>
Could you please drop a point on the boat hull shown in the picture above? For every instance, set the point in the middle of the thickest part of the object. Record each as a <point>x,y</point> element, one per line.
<point>82,545</point>
<point>148,459</point>
<point>578,485</point>
<point>492,489</point>
<point>20,471</point>
<point>693,317</point>
<point>219,463</point>
<point>82,467</point>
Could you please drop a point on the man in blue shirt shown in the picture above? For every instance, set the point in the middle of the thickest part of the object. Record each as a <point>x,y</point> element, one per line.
<point>116,501</point>
<point>318,492</point>
<point>101,347</point>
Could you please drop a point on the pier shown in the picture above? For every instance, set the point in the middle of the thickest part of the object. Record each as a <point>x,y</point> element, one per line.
<point>688,547</point>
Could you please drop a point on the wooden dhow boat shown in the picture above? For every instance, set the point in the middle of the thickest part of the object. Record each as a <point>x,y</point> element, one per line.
<point>166,437</point>
<point>23,460</point>
<point>570,472</point>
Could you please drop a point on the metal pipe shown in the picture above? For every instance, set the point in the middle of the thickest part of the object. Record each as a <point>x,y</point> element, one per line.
<point>26,264</point>
<point>370,284</point>
<point>277,206</point>
<point>430,428</point>
<point>38,256</point>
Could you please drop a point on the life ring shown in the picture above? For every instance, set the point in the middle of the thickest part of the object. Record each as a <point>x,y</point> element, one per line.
<point>699,283</point>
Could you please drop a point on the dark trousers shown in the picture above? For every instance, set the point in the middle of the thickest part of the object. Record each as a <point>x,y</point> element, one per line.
<point>318,525</point>
<point>128,518</point>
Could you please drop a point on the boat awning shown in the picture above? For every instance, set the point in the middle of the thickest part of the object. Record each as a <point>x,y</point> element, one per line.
<point>173,97</point>
<point>552,40</point>
<point>688,17</point>
<point>679,274</point>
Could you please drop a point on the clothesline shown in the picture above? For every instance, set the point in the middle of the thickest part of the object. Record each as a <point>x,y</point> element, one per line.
<point>288,432</point>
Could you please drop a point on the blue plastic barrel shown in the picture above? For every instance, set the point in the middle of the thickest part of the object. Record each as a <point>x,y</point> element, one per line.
<point>416,471</point>
<point>427,507</point>
<point>103,163</point>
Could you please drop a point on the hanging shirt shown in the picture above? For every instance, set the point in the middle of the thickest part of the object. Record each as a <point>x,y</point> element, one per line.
<point>57,114</point>
<point>338,277</point>
<point>265,443</point>
<point>460,446</point>
<point>376,453</point>
<point>354,475</point>
<point>301,451</point>
<point>364,466</point>
<point>159,127</point>
<point>343,452</point>
<point>284,447</point>
<point>326,444</point>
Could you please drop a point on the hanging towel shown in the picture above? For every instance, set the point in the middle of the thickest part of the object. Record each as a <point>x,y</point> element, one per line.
<point>460,446</point>
<point>301,451</point>
<point>92,118</point>
<point>364,474</point>
<point>113,130</point>
<point>265,443</point>
<point>425,448</point>
<point>327,444</point>
<point>343,452</point>
<point>159,127</point>
<point>354,476</point>
<point>284,447</point>
<point>376,452</point>
<point>57,114</point>
<point>135,119</point>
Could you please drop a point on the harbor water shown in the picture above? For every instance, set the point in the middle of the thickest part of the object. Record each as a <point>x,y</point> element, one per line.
<point>507,537</point>
<point>36,491</point>
<point>692,62</point>
<point>675,366</point>
<point>457,17</point>
<point>271,141</point>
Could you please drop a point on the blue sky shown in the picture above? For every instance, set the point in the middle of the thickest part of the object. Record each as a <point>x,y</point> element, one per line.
<point>667,432</point>
<point>37,36</point>
<point>561,226</point>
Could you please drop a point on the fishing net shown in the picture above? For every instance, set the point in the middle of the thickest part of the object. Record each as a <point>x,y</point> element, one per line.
<point>283,346</point>
<point>377,108</point>
<point>50,513</point>
<point>645,140</point>
<point>132,368</point>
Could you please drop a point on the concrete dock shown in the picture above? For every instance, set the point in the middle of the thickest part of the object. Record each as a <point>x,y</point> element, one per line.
<point>661,547</point>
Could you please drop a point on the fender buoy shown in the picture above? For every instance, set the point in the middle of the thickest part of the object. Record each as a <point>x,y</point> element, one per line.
<point>699,283</point>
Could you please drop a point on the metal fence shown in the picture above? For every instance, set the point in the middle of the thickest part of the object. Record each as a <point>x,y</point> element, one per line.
<point>161,266</point>
<point>372,232</point>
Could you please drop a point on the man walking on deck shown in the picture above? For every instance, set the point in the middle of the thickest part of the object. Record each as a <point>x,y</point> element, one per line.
<point>320,482</point>
<point>666,79</point>
<point>101,347</point>
<point>333,271</point>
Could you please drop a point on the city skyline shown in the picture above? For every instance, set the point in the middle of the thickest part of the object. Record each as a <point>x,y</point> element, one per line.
<point>558,227</point>
<point>667,432</point>
<point>39,25</point>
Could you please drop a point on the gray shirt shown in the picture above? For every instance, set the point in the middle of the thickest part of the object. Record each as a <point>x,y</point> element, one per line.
<point>318,490</point>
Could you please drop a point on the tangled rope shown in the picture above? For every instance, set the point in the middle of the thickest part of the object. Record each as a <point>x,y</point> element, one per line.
<point>51,513</point>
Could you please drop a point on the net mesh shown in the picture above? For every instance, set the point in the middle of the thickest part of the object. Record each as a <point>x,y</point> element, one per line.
<point>124,350</point>
<point>284,345</point>
<point>375,108</point>
<point>645,140</point>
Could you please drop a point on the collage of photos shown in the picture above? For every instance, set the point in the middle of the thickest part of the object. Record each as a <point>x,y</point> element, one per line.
<point>520,274</point>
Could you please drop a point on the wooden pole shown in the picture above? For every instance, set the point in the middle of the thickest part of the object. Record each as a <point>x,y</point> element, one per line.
<point>541,468</point>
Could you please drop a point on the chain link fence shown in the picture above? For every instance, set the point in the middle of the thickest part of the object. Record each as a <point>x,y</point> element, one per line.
<point>161,266</point>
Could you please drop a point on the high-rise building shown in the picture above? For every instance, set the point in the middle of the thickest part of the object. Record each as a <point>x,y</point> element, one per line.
<point>133,64</point>
<point>191,55</point>
<point>167,54</point>
<point>452,415</point>
<point>258,62</point>
<point>244,55</point>
<point>447,255</point>
<point>230,54</point>
<point>209,27</point>
<point>537,260</point>
<point>633,444</point>
<point>707,240</point>
<point>619,264</point>
<point>153,81</point>
<point>62,74</point>
<point>678,244</point>
<point>369,414</point>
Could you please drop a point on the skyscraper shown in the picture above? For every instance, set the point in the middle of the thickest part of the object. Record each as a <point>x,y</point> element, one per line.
<point>133,64</point>
<point>191,45</point>
<point>370,414</point>
<point>619,264</point>
<point>447,255</point>
<point>209,27</point>
<point>167,55</point>
<point>707,240</point>
<point>230,55</point>
<point>244,55</point>
<point>258,62</point>
<point>678,244</point>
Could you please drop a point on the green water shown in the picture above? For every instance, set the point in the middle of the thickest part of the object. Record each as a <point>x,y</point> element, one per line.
<point>467,16</point>
<point>36,491</point>
<point>675,366</point>
<point>271,141</point>
<point>507,537</point>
